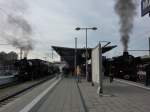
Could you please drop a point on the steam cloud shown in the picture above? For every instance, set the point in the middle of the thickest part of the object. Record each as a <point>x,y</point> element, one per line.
<point>17,30</point>
<point>24,30</point>
<point>126,9</point>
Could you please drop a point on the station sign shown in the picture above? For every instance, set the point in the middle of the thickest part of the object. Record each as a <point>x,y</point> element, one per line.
<point>145,7</point>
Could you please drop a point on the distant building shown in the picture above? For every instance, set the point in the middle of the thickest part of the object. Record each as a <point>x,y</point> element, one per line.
<point>7,58</point>
<point>3,56</point>
<point>12,56</point>
<point>6,62</point>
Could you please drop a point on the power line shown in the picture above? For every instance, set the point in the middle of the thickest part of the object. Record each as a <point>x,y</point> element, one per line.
<point>12,43</point>
<point>5,44</point>
<point>138,50</point>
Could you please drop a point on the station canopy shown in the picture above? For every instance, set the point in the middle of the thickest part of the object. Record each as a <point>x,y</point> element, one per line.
<point>68,54</point>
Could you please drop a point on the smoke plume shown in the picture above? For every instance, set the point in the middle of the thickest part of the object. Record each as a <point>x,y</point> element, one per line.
<point>17,31</point>
<point>126,10</point>
<point>24,31</point>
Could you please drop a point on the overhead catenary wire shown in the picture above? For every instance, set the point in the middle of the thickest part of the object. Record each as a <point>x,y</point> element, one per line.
<point>139,50</point>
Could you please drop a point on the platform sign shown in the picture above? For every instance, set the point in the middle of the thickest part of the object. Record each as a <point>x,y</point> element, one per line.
<point>145,7</point>
<point>97,73</point>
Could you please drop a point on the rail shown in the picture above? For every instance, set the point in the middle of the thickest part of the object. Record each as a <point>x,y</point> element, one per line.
<point>11,95</point>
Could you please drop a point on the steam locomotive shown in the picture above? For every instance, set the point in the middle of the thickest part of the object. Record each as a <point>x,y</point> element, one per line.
<point>34,69</point>
<point>124,66</point>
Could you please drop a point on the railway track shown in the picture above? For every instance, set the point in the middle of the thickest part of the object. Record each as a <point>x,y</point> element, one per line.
<point>11,92</point>
<point>7,81</point>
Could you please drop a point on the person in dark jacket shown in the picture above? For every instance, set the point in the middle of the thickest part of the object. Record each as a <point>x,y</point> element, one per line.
<point>111,75</point>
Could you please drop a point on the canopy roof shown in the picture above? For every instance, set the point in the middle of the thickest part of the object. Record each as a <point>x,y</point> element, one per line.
<point>67,54</point>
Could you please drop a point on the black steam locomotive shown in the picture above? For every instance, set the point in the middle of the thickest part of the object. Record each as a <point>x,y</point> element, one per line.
<point>124,66</point>
<point>34,69</point>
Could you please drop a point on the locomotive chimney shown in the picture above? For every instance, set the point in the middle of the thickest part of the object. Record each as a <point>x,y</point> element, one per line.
<point>21,52</point>
<point>25,57</point>
<point>125,53</point>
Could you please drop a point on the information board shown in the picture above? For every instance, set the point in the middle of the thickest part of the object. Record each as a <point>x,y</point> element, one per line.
<point>97,64</point>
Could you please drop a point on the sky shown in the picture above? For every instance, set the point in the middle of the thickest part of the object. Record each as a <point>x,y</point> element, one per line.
<point>53,22</point>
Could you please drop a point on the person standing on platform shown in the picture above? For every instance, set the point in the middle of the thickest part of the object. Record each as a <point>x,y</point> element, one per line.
<point>78,73</point>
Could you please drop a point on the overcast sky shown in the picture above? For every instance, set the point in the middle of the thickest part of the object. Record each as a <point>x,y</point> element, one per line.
<point>53,23</point>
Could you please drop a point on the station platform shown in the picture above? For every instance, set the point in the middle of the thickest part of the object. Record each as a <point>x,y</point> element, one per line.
<point>69,96</point>
<point>65,98</point>
<point>119,96</point>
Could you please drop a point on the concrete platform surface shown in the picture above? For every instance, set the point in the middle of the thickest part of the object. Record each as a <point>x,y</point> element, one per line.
<point>117,97</point>
<point>64,98</point>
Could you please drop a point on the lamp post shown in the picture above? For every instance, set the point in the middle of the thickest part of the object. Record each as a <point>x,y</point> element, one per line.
<point>86,53</point>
